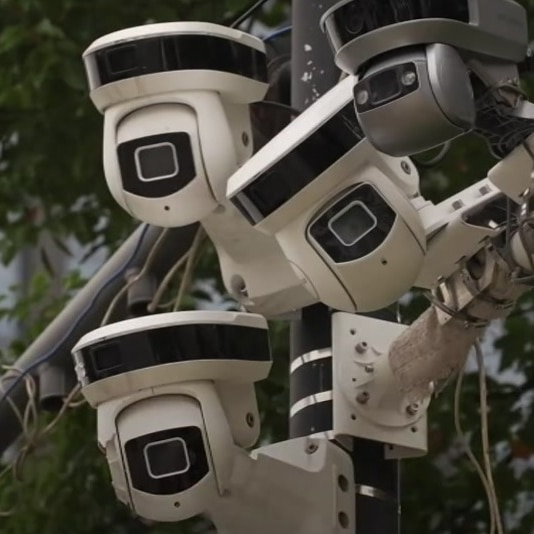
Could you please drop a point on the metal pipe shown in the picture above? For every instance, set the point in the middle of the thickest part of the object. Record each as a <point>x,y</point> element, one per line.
<point>85,311</point>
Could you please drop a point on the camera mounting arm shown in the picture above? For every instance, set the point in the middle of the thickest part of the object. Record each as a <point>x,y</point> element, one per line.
<point>504,115</point>
<point>300,486</point>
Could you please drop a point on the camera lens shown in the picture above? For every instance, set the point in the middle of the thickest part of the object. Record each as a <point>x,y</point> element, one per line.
<point>156,162</point>
<point>353,17</point>
<point>384,86</point>
<point>167,458</point>
<point>353,223</point>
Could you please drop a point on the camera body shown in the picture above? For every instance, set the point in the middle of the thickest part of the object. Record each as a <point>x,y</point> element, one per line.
<point>175,402</point>
<point>415,60</point>
<point>342,212</point>
<point>175,101</point>
<point>253,267</point>
<point>177,125</point>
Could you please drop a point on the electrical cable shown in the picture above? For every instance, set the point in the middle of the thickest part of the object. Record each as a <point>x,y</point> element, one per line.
<point>247,13</point>
<point>31,413</point>
<point>146,267</point>
<point>188,272</point>
<point>51,353</point>
<point>508,232</point>
<point>155,302</point>
<point>469,451</point>
<point>17,465</point>
<point>66,404</point>
<point>277,33</point>
<point>483,390</point>
<point>14,407</point>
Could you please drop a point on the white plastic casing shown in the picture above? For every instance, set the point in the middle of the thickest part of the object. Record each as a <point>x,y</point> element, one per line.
<point>211,106</point>
<point>254,269</point>
<point>223,371</point>
<point>214,395</point>
<point>192,404</point>
<point>375,280</point>
<point>216,133</point>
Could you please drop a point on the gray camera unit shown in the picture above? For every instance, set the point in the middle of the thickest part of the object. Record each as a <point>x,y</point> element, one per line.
<point>360,30</point>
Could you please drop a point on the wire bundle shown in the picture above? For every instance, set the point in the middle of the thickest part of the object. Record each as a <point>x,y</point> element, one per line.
<point>32,432</point>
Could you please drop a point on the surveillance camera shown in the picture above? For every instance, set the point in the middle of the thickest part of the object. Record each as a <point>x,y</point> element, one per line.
<point>177,124</point>
<point>428,89</point>
<point>342,212</point>
<point>415,62</point>
<point>175,99</point>
<point>175,400</point>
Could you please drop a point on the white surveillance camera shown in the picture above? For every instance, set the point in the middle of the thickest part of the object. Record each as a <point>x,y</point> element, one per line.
<point>177,125</point>
<point>175,99</point>
<point>175,400</point>
<point>342,212</point>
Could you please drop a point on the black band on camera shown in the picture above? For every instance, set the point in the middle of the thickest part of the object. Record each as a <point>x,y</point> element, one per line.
<point>288,176</point>
<point>355,19</point>
<point>174,344</point>
<point>174,53</point>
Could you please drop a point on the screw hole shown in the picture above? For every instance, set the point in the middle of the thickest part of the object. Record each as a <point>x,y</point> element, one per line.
<point>353,417</point>
<point>353,332</point>
<point>384,262</point>
<point>343,483</point>
<point>343,519</point>
<point>177,504</point>
<point>414,429</point>
<point>249,418</point>
<point>406,167</point>
<point>167,208</point>
<point>311,448</point>
<point>245,138</point>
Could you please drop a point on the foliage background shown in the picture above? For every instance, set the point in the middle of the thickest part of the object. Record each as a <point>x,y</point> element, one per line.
<point>50,159</point>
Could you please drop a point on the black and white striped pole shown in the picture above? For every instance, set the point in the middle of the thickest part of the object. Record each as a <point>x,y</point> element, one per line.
<point>311,383</point>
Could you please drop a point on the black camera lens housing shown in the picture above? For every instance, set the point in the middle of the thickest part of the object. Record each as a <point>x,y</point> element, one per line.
<point>182,461</point>
<point>371,237</point>
<point>167,457</point>
<point>157,165</point>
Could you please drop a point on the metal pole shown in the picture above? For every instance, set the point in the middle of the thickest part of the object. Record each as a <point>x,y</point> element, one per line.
<point>377,479</point>
<point>91,302</point>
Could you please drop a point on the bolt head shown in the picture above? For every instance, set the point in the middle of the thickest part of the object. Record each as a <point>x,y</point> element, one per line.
<point>406,167</point>
<point>413,409</point>
<point>361,347</point>
<point>363,397</point>
<point>362,97</point>
<point>408,78</point>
